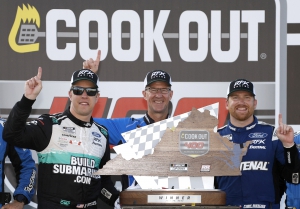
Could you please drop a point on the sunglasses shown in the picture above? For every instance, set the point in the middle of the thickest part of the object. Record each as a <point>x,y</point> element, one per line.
<point>79,90</point>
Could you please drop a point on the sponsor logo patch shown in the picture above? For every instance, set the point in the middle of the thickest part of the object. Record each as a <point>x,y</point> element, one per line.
<point>258,135</point>
<point>69,129</point>
<point>106,193</point>
<point>95,134</point>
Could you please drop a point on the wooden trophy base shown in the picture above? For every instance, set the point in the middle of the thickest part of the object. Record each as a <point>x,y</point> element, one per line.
<point>171,197</point>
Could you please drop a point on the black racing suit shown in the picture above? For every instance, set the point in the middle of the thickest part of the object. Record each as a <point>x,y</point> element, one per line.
<point>69,152</point>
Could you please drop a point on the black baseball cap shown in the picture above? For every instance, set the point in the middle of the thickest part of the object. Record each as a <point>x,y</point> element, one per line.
<point>157,75</point>
<point>85,74</point>
<point>241,85</point>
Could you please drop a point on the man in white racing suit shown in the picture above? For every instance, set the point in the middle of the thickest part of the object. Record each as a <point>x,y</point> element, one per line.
<point>70,145</point>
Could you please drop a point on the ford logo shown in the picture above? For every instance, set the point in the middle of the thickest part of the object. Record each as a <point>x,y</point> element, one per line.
<point>95,134</point>
<point>258,135</point>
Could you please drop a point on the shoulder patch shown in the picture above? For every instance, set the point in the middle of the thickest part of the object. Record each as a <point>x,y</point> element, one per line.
<point>54,120</point>
<point>103,131</point>
<point>57,118</point>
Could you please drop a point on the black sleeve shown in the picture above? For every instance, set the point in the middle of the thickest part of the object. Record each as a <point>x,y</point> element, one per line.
<point>291,170</point>
<point>108,193</point>
<point>291,156</point>
<point>278,181</point>
<point>34,135</point>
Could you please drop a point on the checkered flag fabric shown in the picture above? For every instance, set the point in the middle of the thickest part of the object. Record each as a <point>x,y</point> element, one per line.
<point>142,141</point>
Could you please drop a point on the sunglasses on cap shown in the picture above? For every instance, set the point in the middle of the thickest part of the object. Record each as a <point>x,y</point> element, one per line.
<point>79,90</point>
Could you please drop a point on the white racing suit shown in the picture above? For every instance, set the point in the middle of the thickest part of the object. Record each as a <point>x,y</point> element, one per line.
<point>69,152</point>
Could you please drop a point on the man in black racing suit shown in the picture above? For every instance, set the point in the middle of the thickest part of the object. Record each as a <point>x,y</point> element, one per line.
<point>70,145</point>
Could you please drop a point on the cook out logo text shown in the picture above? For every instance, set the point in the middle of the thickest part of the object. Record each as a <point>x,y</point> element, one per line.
<point>24,34</point>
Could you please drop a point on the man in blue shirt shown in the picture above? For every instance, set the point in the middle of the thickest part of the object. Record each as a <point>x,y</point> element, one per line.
<point>157,92</point>
<point>25,170</point>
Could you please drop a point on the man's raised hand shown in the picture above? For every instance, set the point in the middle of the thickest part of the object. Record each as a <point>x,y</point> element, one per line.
<point>33,86</point>
<point>91,64</point>
<point>285,133</point>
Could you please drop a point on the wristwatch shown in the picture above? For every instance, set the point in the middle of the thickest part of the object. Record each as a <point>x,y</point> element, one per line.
<point>20,198</point>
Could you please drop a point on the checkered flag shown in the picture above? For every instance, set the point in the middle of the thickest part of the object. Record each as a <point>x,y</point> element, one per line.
<point>141,141</point>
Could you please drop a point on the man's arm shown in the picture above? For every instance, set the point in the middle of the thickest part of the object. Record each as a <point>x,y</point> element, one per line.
<point>285,133</point>
<point>25,171</point>
<point>36,134</point>
<point>292,173</point>
<point>292,162</point>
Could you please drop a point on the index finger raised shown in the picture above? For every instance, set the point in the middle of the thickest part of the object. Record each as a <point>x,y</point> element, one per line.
<point>280,118</point>
<point>39,75</point>
<point>98,56</point>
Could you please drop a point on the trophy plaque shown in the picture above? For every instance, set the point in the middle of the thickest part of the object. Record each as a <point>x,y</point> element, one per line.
<point>172,197</point>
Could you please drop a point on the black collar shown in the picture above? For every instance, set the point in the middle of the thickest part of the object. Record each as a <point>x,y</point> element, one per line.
<point>77,121</point>
<point>148,120</point>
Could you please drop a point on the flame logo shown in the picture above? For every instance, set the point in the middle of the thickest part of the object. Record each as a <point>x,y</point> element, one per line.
<point>27,15</point>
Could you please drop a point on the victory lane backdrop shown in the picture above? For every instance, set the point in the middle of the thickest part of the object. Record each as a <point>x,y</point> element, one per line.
<point>212,41</point>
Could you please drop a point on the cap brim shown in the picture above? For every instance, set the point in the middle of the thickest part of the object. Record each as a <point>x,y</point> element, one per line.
<point>158,80</point>
<point>82,79</point>
<point>240,90</point>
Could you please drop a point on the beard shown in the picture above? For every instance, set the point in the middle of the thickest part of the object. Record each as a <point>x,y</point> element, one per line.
<point>241,116</point>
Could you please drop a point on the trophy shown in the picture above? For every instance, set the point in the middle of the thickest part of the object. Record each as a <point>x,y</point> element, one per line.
<point>174,162</point>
